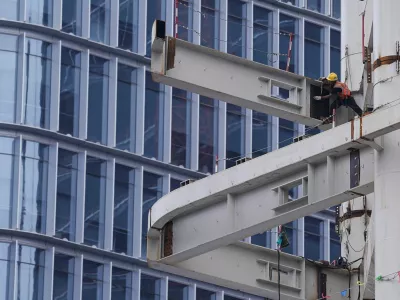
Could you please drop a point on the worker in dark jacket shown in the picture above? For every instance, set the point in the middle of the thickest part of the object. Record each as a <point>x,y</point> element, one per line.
<point>340,94</point>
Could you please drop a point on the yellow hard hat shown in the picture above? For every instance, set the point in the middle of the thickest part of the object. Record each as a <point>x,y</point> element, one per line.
<point>332,77</point>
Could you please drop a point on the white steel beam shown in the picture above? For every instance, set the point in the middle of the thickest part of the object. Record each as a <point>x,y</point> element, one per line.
<point>203,221</point>
<point>230,78</point>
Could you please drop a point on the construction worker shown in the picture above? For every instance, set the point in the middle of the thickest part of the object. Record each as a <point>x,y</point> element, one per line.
<point>340,94</point>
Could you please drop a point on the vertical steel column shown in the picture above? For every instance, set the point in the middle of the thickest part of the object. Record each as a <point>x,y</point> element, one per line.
<point>109,205</point>
<point>140,111</point>
<point>48,273</point>
<point>80,199</point>
<point>21,79</point>
<point>13,272</point>
<point>52,190</point>
<point>112,103</point>
<point>137,213</point>
<point>55,86</point>
<point>83,95</point>
<point>114,22</point>
<point>386,30</point>
<point>78,272</point>
<point>15,208</point>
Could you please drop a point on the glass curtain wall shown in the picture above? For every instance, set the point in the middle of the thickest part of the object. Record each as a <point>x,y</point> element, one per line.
<point>237,28</point>
<point>263,36</point>
<point>39,12</point>
<point>128,24</point>
<point>313,50</point>
<point>335,246</point>
<point>9,9</point>
<point>313,238</point>
<point>4,268</point>
<point>335,52</point>
<point>121,288</point>
<point>235,134</point>
<point>100,21</point>
<point>63,285</point>
<point>156,10</point>
<point>7,160</point>
<point>92,280</point>
<point>210,23</point>
<point>185,20</point>
<point>71,16</point>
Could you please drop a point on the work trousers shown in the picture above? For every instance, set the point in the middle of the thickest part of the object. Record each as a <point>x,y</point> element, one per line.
<point>350,102</point>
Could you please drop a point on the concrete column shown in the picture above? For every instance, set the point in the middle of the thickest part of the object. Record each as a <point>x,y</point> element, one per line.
<point>387,163</point>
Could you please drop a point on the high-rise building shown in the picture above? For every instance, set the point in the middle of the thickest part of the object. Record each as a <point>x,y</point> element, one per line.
<point>89,142</point>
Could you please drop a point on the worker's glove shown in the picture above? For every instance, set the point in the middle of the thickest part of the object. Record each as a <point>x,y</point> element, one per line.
<point>317,98</point>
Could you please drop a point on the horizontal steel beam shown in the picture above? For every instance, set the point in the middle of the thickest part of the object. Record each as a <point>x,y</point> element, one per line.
<point>250,198</point>
<point>253,269</point>
<point>230,78</point>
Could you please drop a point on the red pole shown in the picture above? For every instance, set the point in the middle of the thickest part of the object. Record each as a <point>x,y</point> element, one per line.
<point>363,35</point>
<point>176,18</point>
<point>289,51</point>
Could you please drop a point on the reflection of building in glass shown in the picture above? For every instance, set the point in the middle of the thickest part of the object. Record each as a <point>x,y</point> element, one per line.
<point>89,142</point>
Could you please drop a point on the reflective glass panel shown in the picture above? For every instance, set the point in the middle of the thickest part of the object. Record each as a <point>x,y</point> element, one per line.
<point>40,12</point>
<point>208,134</point>
<point>263,36</point>
<point>180,135</point>
<point>9,9</point>
<point>95,201</point>
<point>235,126</point>
<point>38,83</point>
<point>237,28</point>
<point>313,238</point>
<point>71,16</point>
<point>336,9</point>
<point>100,21</point>
<point>33,192</point>
<point>6,180</point>
<point>185,17</point>
<point>4,269</point>
<point>314,50</point>
<point>287,131</point>
<point>124,191</point>
<point>262,134</point>
<point>67,175</point>
<point>63,285</point>
<point>177,291</point>
<point>30,273</point>
<point>69,91</point>
<point>316,5</point>
<point>210,23</point>
<point>98,99</point>
<point>150,287</point>
<point>152,191</point>
<point>128,24</point>
<point>155,11</point>
<point>205,295</point>
<point>8,76</point>
<point>121,287</point>
<point>262,239</point>
<point>335,246</point>
<point>288,25</point>
<point>153,118</point>
<point>126,107</point>
<point>92,280</point>
<point>335,52</point>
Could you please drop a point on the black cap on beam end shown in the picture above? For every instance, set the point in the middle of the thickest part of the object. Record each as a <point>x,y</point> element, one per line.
<point>159,29</point>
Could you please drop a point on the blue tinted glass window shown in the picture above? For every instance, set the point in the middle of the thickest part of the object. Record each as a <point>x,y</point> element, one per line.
<point>4,269</point>
<point>335,52</point>
<point>314,50</point>
<point>98,99</point>
<point>121,284</point>
<point>126,107</point>
<point>69,91</point>
<point>9,9</point>
<point>67,174</point>
<point>33,192</point>
<point>336,9</point>
<point>100,21</point>
<point>174,184</point>
<point>63,284</point>
<point>38,83</point>
<point>208,134</point>
<point>210,23</point>
<point>287,131</point>
<point>123,209</point>
<point>95,201</point>
<point>6,180</point>
<point>235,126</point>
<point>153,118</point>
<point>30,273</point>
<point>178,291</point>
<point>128,24</point>
<point>316,5</point>
<point>335,247</point>
<point>262,36</point>
<point>237,28</point>
<point>39,12</point>
<point>262,239</point>
<point>150,287</point>
<point>71,17</point>
<point>288,26</point>
<point>180,135</point>
<point>262,134</point>
<point>205,295</point>
<point>313,238</point>
<point>152,191</point>
<point>92,280</point>
<point>155,11</point>
<point>8,76</point>
<point>185,17</point>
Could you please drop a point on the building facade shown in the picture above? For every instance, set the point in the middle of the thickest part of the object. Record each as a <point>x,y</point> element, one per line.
<point>89,142</point>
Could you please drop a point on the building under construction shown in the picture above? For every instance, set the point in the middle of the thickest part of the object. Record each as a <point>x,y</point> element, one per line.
<point>200,229</point>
